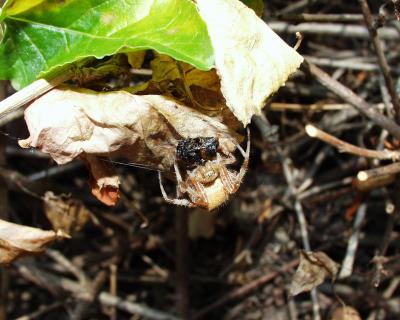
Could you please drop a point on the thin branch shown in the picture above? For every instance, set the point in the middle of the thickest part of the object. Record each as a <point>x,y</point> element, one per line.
<point>356,101</point>
<point>343,146</point>
<point>333,29</point>
<point>320,17</point>
<point>182,255</point>
<point>244,290</point>
<point>389,170</point>
<point>348,261</point>
<point>381,58</point>
<point>301,219</point>
<point>32,91</point>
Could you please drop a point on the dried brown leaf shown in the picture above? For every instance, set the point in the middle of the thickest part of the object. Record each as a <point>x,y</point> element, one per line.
<point>104,181</point>
<point>251,60</point>
<point>69,122</point>
<point>17,240</point>
<point>65,213</point>
<point>313,268</point>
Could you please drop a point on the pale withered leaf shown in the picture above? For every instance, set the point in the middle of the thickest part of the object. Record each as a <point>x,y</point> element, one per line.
<point>251,60</point>
<point>17,240</point>
<point>69,122</point>
<point>104,181</point>
<point>195,88</point>
<point>65,213</point>
<point>314,267</point>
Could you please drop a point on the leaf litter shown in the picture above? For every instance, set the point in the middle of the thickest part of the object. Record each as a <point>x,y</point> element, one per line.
<point>144,124</point>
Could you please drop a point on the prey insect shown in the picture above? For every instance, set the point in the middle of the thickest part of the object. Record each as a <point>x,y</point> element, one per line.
<point>193,151</point>
<point>209,184</point>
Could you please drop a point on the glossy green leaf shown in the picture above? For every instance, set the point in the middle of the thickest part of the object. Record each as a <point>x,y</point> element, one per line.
<point>13,7</point>
<point>55,33</point>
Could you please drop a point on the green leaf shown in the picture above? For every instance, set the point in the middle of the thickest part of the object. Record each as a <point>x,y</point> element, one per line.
<point>256,5</point>
<point>13,7</point>
<point>55,33</point>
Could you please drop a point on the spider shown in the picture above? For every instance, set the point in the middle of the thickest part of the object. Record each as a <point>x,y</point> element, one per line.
<point>208,185</point>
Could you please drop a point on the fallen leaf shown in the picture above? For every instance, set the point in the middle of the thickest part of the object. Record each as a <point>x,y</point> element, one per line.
<point>196,88</point>
<point>345,313</point>
<point>69,122</point>
<point>104,181</point>
<point>17,240</point>
<point>313,268</point>
<point>65,213</point>
<point>251,60</point>
<point>136,58</point>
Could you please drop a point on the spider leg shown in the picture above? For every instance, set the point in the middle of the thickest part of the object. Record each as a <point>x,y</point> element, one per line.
<point>179,202</point>
<point>230,180</point>
<point>197,193</point>
<point>177,173</point>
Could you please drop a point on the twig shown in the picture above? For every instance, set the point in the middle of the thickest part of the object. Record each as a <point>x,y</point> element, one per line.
<point>346,64</point>
<point>113,288</point>
<point>348,261</point>
<point>303,226</point>
<point>41,311</point>
<point>57,285</point>
<point>244,290</point>
<point>32,91</point>
<point>320,17</point>
<point>333,29</point>
<point>343,146</point>
<point>4,277</point>
<point>357,102</point>
<point>182,253</point>
<point>314,107</point>
<point>55,171</point>
<point>390,169</point>
<point>390,224</point>
<point>320,188</point>
<point>68,265</point>
<point>134,308</point>
<point>381,58</point>
<point>91,293</point>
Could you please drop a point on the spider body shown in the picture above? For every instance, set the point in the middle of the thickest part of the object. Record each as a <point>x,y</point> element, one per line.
<point>209,184</point>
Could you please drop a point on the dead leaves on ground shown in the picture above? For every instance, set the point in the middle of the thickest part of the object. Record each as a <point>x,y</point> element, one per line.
<point>251,63</point>
<point>66,214</point>
<point>17,240</point>
<point>313,269</point>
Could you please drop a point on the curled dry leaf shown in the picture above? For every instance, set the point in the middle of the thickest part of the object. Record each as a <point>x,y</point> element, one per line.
<point>313,268</point>
<point>251,60</point>
<point>17,240</point>
<point>68,123</point>
<point>65,213</point>
<point>196,88</point>
<point>104,181</point>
